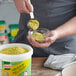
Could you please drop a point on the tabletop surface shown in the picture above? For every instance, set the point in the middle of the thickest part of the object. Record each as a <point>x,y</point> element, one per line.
<point>38,68</point>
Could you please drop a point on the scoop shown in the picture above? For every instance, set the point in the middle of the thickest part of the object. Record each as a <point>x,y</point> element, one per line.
<point>33,23</point>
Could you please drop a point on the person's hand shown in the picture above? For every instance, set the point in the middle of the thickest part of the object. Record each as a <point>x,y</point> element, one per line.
<point>23,6</point>
<point>49,40</point>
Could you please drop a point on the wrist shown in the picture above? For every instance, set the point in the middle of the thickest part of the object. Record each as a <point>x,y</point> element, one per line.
<point>56,34</point>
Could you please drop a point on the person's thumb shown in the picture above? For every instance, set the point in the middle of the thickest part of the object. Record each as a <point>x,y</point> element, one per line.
<point>49,39</point>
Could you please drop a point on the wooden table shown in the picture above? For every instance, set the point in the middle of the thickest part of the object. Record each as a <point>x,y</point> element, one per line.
<point>38,68</point>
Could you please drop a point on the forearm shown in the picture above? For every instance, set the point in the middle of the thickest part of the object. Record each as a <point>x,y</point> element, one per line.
<point>67,29</point>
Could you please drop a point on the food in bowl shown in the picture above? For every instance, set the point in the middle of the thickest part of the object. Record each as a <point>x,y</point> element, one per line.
<point>14,50</point>
<point>40,34</point>
<point>33,24</point>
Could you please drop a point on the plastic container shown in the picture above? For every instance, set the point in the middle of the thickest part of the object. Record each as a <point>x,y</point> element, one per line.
<point>13,29</point>
<point>2,26</point>
<point>11,38</point>
<point>3,73</point>
<point>40,34</point>
<point>3,36</point>
<point>16,65</point>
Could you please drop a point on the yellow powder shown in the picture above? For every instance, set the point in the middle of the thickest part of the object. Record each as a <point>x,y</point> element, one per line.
<point>38,37</point>
<point>33,24</point>
<point>14,50</point>
<point>4,73</point>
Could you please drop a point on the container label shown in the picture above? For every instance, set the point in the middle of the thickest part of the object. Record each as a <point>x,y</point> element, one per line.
<point>22,68</point>
<point>14,32</point>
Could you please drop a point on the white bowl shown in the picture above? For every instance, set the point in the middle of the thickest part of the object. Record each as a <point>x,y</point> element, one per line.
<point>70,70</point>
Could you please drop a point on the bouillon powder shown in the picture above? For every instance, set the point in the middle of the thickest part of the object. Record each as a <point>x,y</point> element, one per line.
<point>14,50</point>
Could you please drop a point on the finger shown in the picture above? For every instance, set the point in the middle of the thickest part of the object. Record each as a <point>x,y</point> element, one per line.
<point>48,39</point>
<point>37,44</point>
<point>29,6</point>
<point>29,39</point>
<point>23,8</point>
<point>42,45</point>
<point>32,41</point>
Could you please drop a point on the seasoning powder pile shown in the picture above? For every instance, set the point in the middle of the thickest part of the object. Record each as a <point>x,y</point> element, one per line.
<point>14,50</point>
<point>38,37</point>
<point>33,24</point>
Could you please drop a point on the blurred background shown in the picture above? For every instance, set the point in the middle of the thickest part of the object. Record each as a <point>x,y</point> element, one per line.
<point>8,12</point>
<point>9,18</point>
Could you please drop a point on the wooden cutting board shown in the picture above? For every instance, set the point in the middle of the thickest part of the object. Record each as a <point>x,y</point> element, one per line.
<point>38,68</point>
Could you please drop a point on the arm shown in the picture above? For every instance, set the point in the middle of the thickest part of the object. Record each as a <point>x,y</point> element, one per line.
<point>67,29</point>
